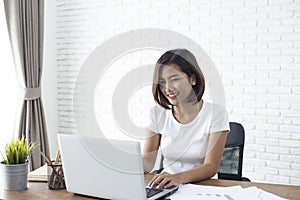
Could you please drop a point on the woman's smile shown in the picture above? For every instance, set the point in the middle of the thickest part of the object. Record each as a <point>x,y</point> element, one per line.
<point>171,95</point>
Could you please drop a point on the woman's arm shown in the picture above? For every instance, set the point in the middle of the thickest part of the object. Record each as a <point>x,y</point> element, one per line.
<point>150,149</point>
<point>212,160</point>
<point>209,168</point>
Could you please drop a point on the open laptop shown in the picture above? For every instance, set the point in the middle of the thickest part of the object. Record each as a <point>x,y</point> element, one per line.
<point>105,168</point>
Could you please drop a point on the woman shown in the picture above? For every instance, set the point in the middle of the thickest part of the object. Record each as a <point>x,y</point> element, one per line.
<point>190,132</point>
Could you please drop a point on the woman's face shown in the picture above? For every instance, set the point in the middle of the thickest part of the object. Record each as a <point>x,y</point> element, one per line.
<point>175,85</point>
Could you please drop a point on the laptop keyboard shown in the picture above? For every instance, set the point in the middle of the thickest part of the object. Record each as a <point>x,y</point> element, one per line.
<point>152,191</point>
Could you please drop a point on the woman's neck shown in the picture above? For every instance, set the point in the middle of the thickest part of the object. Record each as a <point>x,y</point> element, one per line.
<point>187,112</point>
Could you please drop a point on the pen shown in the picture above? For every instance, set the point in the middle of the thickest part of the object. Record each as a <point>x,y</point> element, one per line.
<point>48,161</point>
<point>57,159</point>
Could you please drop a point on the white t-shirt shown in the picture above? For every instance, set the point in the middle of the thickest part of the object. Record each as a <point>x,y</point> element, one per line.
<point>184,145</point>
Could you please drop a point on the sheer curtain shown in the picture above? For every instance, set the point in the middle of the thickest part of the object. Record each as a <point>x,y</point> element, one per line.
<point>7,77</point>
<point>25,22</point>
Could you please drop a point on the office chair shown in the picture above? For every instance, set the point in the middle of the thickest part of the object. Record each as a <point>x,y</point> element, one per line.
<point>232,160</point>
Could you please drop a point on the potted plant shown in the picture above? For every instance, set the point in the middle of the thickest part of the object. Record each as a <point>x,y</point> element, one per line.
<point>15,164</point>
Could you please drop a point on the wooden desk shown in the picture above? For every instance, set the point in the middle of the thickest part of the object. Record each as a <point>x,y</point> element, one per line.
<point>39,190</point>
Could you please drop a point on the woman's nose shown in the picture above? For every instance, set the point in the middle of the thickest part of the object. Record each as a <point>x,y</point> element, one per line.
<point>169,86</point>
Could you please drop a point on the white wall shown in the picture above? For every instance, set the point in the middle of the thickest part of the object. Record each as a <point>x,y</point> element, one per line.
<point>253,43</point>
<point>49,77</point>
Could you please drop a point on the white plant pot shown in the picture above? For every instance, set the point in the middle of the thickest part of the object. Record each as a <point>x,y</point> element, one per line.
<point>14,176</point>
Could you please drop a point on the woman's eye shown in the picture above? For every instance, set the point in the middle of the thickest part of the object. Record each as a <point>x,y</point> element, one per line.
<point>174,79</point>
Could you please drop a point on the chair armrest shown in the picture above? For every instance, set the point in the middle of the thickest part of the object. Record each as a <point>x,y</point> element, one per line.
<point>245,179</point>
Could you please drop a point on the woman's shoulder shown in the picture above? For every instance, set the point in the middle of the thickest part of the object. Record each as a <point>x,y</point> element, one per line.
<point>158,116</point>
<point>214,106</point>
<point>157,110</point>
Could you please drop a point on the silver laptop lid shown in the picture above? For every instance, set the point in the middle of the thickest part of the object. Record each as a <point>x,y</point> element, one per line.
<point>102,168</point>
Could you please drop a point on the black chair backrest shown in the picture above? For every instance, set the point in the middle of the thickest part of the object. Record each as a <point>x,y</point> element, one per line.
<point>232,160</point>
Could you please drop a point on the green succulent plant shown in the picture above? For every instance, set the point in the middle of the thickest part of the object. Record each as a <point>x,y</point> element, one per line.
<point>17,151</point>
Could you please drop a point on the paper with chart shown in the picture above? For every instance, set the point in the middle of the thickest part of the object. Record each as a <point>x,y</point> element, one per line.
<point>198,192</point>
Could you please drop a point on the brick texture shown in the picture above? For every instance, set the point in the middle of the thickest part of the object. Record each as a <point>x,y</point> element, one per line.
<point>253,43</point>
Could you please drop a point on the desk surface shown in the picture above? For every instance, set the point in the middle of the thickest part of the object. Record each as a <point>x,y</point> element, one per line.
<point>39,190</point>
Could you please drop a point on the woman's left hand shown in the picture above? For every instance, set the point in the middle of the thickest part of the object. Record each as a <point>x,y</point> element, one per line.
<point>166,180</point>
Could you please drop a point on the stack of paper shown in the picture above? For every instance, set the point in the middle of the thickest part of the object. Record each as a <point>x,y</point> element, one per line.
<point>196,192</point>
<point>39,174</point>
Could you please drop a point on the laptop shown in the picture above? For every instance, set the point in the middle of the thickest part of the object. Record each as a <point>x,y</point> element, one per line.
<point>105,168</point>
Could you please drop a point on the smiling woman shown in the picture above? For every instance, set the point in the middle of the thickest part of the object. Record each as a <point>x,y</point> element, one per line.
<point>8,84</point>
<point>189,131</point>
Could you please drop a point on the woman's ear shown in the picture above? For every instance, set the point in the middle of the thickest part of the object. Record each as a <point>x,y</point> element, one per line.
<point>193,80</point>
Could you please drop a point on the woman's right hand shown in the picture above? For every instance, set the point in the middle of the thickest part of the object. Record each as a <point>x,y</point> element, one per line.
<point>166,180</point>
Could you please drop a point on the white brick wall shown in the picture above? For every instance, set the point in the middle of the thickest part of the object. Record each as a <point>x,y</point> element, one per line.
<point>253,43</point>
